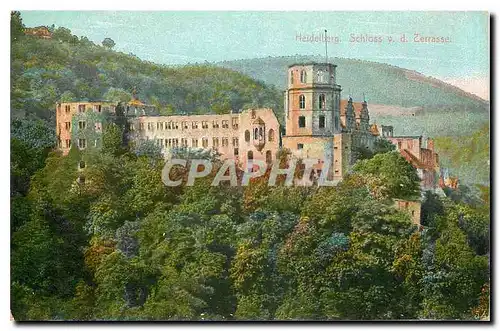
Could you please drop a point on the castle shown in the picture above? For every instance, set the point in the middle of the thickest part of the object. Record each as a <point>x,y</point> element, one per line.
<point>318,125</point>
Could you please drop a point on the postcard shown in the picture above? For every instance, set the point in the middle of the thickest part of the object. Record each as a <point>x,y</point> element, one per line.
<point>250,166</point>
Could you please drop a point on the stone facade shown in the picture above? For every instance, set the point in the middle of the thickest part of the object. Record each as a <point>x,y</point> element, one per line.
<point>81,123</point>
<point>250,135</point>
<point>42,32</point>
<point>422,156</point>
<point>253,134</point>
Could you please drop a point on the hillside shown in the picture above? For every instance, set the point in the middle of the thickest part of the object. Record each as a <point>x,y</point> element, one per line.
<point>382,83</point>
<point>69,68</point>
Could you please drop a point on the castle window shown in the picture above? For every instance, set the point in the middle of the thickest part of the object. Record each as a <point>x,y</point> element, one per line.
<point>250,155</point>
<point>247,136</point>
<point>291,77</point>
<point>234,122</point>
<point>194,125</point>
<point>68,143</point>
<point>67,108</point>
<point>215,142</point>
<point>97,108</point>
<point>81,179</point>
<point>98,126</point>
<point>260,133</point>
<point>131,126</point>
<point>82,125</point>
<point>185,125</point>
<point>236,152</point>
<point>225,124</point>
<point>321,121</point>
<point>150,126</point>
<point>235,142</point>
<point>159,126</point>
<point>67,125</point>
<point>194,142</point>
<point>81,108</point>
<point>215,124</point>
<point>302,122</point>
<point>255,133</point>
<point>81,164</point>
<point>322,101</point>
<point>321,76</point>
<point>300,146</point>
<point>302,101</point>
<point>141,126</point>
<point>225,142</point>
<point>204,142</point>
<point>204,125</point>
<point>269,157</point>
<point>82,143</point>
<point>303,76</point>
<point>271,135</point>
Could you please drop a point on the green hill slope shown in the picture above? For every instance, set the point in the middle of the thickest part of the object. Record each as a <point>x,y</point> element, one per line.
<point>382,83</point>
<point>44,72</point>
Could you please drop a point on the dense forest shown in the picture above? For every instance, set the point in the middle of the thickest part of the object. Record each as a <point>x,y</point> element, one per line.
<point>123,246</point>
<point>68,68</point>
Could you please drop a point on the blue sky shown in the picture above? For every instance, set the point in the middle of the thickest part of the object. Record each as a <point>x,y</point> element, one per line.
<point>186,37</point>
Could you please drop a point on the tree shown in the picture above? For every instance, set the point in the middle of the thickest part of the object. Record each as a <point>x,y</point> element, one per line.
<point>391,175</point>
<point>108,43</point>
<point>16,26</point>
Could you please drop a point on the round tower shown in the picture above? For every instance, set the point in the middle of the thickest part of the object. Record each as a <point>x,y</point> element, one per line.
<point>312,100</point>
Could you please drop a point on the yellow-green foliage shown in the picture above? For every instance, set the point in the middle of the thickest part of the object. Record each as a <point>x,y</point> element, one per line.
<point>467,157</point>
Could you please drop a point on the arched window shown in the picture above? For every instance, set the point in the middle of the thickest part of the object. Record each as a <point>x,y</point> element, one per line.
<point>269,157</point>
<point>261,135</point>
<point>303,76</point>
<point>81,164</point>
<point>250,155</point>
<point>291,77</point>
<point>302,101</point>
<point>271,135</point>
<point>255,133</point>
<point>322,101</point>
<point>247,136</point>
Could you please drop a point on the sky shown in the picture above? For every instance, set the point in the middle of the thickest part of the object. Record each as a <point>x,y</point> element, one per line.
<point>177,38</point>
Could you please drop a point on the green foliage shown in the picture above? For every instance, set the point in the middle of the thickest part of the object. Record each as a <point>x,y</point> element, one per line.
<point>108,43</point>
<point>391,174</point>
<point>467,156</point>
<point>16,26</point>
<point>123,246</point>
<point>44,71</point>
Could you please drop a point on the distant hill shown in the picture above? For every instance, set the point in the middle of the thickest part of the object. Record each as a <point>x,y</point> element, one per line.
<point>68,68</point>
<point>382,83</point>
<point>413,103</point>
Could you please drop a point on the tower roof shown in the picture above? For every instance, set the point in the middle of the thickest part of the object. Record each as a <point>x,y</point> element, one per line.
<point>311,63</point>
